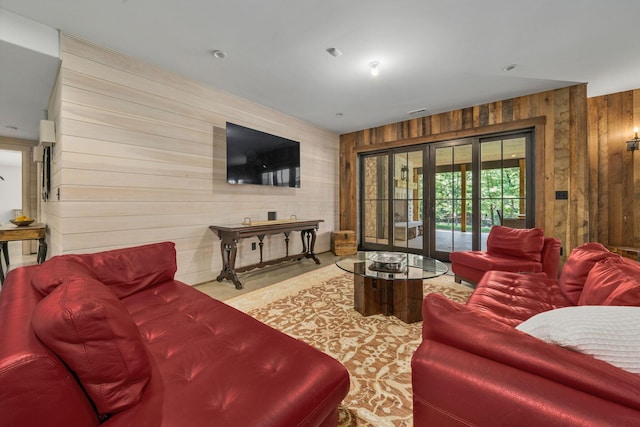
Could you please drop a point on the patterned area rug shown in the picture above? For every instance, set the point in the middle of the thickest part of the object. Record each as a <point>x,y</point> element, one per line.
<point>317,308</point>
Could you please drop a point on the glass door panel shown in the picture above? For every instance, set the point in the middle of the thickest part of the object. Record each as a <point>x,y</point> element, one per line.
<point>453,196</point>
<point>408,205</point>
<point>375,194</point>
<point>503,184</point>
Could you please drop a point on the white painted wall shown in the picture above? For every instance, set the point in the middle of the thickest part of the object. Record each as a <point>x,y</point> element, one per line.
<point>11,187</point>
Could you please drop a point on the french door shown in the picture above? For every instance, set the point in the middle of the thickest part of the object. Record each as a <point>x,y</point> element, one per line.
<point>437,198</point>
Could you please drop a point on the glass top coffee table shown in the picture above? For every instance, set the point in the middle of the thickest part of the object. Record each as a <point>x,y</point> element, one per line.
<point>390,283</point>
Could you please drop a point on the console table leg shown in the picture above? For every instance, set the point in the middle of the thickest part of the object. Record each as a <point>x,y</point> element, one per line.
<point>228,250</point>
<point>286,243</point>
<point>309,243</point>
<point>261,244</point>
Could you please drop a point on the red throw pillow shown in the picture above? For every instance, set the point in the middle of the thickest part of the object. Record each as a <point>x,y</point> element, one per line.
<point>612,282</point>
<point>50,274</point>
<point>86,325</point>
<point>520,243</point>
<point>580,262</point>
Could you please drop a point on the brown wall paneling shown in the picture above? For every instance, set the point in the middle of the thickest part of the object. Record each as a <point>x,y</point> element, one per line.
<point>615,172</point>
<point>560,120</point>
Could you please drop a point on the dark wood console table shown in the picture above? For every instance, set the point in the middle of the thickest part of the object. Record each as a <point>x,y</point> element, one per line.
<point>230,235</point>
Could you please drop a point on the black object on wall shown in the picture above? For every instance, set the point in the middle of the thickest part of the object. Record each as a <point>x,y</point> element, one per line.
<point>255,157</point>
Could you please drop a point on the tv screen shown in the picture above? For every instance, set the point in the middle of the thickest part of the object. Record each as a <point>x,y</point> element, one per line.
<point>258,158</point>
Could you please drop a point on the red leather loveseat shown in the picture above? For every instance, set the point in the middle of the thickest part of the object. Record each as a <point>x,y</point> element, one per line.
<point>509,249</point>
<point>111,338</point>
<point>527,350</point>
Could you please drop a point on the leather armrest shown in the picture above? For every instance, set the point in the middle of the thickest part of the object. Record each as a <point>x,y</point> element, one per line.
<point>457,326</point>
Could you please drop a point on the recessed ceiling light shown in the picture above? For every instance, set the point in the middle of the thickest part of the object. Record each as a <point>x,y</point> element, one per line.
<point>510,67</point>
<point>12,128</point>
<point>334,51</point>
<point>419,110</point>
<point>219,54</point>
<point>339,114</point>
<point>374,67</point>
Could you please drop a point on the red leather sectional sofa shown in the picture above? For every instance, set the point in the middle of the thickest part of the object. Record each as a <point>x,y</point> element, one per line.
<point>474,367</point>
<point>113,339</point>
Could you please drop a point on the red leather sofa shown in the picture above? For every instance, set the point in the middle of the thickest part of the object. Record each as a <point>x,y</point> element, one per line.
<point>509,249</point>
<point>112,339</point>
<point>474,367</point>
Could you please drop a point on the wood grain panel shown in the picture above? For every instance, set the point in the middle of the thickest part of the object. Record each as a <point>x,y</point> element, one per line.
<point>141,158</point>
<point>614,171</point>
<point>560,120</point>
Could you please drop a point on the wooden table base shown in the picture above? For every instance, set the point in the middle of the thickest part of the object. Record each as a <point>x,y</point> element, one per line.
<point>401,298</point>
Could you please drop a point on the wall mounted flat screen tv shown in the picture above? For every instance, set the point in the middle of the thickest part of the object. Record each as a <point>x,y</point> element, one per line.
<point>258,158</point>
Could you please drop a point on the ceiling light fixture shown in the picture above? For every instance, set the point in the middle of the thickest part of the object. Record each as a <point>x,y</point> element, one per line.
<point>374,67</point>
<point>510,67</point>
<point>419,110</point>
<point>219,54</point>
<point>334,51</point>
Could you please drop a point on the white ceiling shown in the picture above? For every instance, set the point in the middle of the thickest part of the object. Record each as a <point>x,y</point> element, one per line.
<point>438,55</point>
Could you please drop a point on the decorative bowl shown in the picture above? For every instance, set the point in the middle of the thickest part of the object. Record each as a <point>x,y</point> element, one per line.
<point>389,262</point>
<point>22,223</point>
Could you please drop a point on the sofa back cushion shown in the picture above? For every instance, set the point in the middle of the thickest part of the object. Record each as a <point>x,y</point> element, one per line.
<point>520,243</point>
<point>86,325</point>
<point>126,271</point>
<point>577,267</point>
<point>612,281</point>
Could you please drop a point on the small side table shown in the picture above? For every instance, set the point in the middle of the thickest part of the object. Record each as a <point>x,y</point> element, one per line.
<point>10,233</point>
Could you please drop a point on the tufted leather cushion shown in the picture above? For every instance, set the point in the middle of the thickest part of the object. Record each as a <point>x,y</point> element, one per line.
<point>512,298</point>
<point>221,367</point>
<point>85,324</point>
<point>579,264</point>
<point>483,261</point>
<point>612,282</point>
<point>519,243</point>
<point>49,275</point>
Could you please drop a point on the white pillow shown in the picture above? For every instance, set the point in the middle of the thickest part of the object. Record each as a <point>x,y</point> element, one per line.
<point>608,333</point>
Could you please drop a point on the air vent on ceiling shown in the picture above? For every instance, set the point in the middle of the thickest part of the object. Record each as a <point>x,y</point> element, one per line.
<point>419,110</point>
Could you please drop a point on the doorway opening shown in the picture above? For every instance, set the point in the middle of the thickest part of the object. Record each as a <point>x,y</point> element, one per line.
<point>17,181</point>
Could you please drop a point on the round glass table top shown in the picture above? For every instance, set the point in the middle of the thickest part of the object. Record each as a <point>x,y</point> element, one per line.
<point>392,265</point>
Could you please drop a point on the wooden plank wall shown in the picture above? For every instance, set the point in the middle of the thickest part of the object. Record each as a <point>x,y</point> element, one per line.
<point>141,157</point>
<point>560,120</point>
<point>614,171</point>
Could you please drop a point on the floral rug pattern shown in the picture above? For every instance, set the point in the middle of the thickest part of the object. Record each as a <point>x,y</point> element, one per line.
<point>376,350</point>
